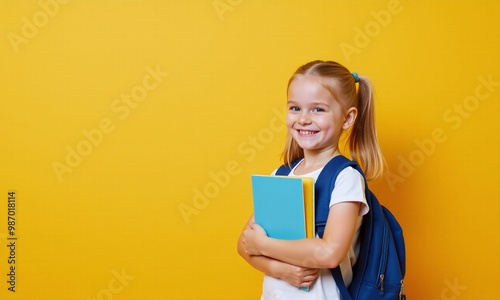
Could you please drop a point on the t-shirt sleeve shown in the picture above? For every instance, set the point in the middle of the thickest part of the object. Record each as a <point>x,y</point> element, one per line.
<point>350,187</point>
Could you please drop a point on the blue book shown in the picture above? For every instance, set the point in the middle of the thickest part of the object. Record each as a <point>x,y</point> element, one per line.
<point>284,206</point>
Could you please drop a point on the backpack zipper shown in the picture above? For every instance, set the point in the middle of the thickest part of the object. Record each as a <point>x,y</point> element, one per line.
<point>402,295</point>
<point>385,253</point>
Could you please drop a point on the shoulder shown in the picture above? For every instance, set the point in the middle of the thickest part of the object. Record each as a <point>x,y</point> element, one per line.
<point>350,186</point>
<point>349,174</point>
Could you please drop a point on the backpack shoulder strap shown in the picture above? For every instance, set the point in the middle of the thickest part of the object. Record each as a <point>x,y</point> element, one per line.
<point>324,186</point>
<point>286,169</point>
<point>323,190</point>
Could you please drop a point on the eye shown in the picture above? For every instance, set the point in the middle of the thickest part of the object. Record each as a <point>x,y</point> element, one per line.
<point>294,108</point>
<point>318,109</point>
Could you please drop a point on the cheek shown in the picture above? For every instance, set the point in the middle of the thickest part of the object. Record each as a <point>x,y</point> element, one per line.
<point>324,123</point>
<point>327,125</point>
<point>290,120</point>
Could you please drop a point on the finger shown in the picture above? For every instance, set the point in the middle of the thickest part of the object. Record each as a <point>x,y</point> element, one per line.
<point>312,271</point>
<point>308,281</point>
<point>257,226</point>
<point>305,285</point>
<point>307,271</point>
<point>310,278</point>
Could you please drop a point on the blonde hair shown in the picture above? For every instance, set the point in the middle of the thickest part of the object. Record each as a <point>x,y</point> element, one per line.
<point>362,139</point>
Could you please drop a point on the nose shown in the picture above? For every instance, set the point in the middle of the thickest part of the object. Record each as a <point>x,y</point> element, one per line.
<point>304,118</point>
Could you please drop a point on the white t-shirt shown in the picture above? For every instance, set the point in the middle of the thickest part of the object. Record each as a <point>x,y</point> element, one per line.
<point>349,186</point>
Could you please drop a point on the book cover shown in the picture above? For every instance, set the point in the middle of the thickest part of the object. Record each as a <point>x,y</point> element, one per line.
<point>284,206</point>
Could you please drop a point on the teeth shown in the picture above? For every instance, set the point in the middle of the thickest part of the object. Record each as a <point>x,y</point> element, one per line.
<point>307,132</point>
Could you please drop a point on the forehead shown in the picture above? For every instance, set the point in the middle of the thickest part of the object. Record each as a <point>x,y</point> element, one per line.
<point>311,88</point>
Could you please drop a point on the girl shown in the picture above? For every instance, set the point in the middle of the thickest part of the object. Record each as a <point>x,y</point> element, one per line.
<point>324,99</point>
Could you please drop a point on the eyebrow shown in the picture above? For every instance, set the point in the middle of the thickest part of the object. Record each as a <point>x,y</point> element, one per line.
<point>320,103</point>
<point>314,103</point>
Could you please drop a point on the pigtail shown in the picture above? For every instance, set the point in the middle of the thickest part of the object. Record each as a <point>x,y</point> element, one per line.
<point>363,142</point>
<point>292,151</point>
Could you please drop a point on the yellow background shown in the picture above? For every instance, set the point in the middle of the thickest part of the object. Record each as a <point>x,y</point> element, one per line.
<point>112,228</point>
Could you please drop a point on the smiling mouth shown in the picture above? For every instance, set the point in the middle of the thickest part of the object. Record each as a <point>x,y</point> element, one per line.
<point>307,132</point>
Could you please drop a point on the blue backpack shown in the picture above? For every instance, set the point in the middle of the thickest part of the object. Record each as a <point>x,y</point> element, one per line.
<point>380,268</point>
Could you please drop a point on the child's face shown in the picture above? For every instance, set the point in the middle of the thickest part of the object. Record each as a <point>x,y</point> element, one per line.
<point>314,117</point>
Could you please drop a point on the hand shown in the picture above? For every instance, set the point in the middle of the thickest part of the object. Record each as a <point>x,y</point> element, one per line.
<point>252,238</point>
<point>298,276</point>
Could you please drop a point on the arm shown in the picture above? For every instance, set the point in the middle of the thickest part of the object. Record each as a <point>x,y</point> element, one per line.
<point>294,275</point>
<point>327,252</point>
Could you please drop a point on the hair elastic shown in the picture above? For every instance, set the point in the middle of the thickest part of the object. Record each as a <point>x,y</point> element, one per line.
<point>356,77</point>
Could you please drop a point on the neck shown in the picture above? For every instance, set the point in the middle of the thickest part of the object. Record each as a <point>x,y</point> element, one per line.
<point>314,160</point>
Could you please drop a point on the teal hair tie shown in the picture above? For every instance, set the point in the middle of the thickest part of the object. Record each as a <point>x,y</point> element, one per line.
<point>356,77</point>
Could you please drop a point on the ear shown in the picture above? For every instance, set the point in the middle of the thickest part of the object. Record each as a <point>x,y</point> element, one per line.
<point>350,117</point>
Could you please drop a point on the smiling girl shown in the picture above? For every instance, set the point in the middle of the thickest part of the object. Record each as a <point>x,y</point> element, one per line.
<point>324,100</point>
